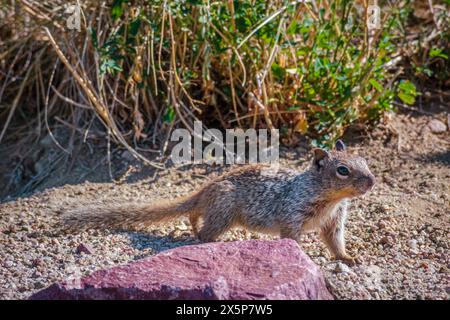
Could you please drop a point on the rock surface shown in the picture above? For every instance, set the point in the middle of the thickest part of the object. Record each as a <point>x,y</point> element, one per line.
<point>437,126</point>
<point>257,269</point>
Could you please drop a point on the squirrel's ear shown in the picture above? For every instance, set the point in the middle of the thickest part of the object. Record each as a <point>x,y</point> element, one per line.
<point>340,146</point>
<point>319,156</point>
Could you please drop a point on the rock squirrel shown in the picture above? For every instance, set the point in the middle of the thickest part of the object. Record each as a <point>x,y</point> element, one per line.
<point>283,201</point>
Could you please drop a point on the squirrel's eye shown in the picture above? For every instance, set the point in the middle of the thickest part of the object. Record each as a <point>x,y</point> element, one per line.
<point>343,171</point>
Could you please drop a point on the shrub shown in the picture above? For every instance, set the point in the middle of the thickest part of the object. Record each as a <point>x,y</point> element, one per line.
<point>290,65</point>
<point>303,67</point>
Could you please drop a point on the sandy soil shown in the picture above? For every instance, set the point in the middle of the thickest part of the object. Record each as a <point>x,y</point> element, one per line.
<point>399,232</point>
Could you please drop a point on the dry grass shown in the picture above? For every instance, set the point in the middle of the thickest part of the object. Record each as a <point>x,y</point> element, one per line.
<point>143,68</point>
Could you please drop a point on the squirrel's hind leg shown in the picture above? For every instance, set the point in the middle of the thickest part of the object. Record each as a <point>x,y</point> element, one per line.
<point>290,233</point>
<point>214,226</point>
<point>194,220</point>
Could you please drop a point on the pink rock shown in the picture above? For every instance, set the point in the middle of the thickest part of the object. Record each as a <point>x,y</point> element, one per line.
<point>253,269</point>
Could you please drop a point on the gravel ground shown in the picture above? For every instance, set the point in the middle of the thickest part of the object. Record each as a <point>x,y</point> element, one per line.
<point>399,232</point>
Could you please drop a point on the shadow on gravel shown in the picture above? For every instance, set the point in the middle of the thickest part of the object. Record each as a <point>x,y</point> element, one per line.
<point>441,157</point>
<point>142,241</point>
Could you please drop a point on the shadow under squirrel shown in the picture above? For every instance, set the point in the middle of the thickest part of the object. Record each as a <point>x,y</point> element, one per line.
<point>282,201</point>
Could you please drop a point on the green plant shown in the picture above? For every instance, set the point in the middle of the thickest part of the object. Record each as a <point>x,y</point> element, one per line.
<point>426,53</point>
<point>148,66</point>
<point>258,63</point>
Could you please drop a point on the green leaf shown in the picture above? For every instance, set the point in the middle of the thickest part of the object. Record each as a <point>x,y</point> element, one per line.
<point>376,85</point>
<point>408,87</point>
<point>169,116</point>
<point>407,92</point>
<point>407,98</point>
<point>435,52</point>
<point>94,38</point>
<point>278,71</point>
<point>117,9</point>
<point>109,66</point>
<point>293,28</point>
<point>134,27</point>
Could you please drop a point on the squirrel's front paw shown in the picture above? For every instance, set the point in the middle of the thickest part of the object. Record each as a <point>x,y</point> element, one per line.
<point>347,259</point>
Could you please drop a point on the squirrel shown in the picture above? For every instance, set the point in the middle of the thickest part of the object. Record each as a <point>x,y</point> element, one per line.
<point>282,201</point>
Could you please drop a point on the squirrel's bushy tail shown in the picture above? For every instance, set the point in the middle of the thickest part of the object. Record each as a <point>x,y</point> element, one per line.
<point>127,215</point>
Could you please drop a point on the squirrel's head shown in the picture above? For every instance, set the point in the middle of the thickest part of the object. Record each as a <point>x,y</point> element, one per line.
<point>344,174</point>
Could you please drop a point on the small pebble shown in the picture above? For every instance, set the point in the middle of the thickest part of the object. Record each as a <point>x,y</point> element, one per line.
<point>412,244</point>
<point>84,248</point>
<point>341,267</point>
<point>437,126</point>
